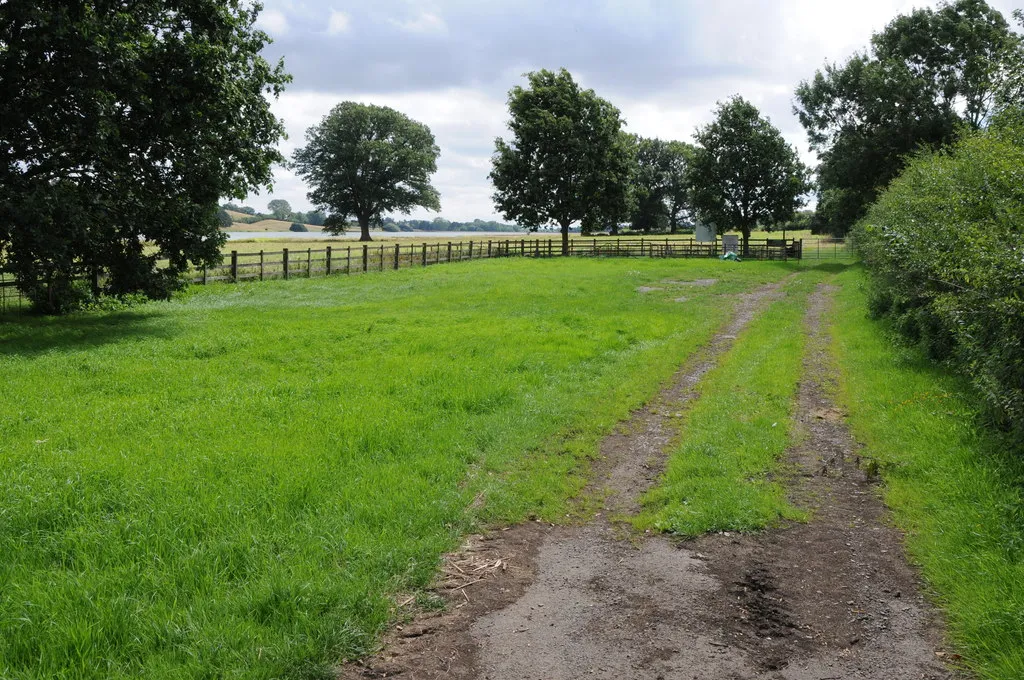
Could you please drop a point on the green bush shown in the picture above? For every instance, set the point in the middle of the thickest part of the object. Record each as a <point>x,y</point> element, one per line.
<point>297,226</point>
<point>945,246</point>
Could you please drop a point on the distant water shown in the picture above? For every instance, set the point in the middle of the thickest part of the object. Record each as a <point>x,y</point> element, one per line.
<point>354,236</point>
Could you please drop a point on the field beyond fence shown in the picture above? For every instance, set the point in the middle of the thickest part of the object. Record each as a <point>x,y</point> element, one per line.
<point>374,257</point>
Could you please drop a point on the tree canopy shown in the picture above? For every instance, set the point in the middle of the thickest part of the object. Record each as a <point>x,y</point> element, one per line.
<point>659,192</point>
<point>280,208</point>
<point>743,172</point>
<point>925,75</point>
<point>125,124</point>
<point>364,160</point>
<point>567,160</point>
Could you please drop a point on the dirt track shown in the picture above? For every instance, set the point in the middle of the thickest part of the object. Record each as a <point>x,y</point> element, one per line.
<point>829,599</point>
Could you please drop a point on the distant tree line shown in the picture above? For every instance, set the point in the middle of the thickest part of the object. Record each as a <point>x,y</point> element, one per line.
<point>279,210</point>
<point>441,224</point>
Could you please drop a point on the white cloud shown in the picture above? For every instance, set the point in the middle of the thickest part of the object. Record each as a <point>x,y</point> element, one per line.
<point>426,22</point>
<point>664,64</point>
<point>338,23</point>
<point>273,22</point>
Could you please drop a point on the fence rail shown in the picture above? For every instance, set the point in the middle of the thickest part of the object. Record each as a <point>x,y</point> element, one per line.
<point>371,257</point>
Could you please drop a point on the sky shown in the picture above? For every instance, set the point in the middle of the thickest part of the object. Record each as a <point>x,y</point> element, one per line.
<point>450,64</point>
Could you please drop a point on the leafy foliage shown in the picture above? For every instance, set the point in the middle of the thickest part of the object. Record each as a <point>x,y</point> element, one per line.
<point>124,124</point>
<point>364,160</point>
<point>945,245</point>
<point>659,193</point>
<point>567,161</point>
<point>743,172</point>
<point>925,75</point>
<point>280,209</point>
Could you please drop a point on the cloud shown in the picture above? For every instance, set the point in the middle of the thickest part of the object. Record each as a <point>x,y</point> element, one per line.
<point>424,23</point>
<point>339,22</point>
<point>273,22</point>
<point>450,64</point>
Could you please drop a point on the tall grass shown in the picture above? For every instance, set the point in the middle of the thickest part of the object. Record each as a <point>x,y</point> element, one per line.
<point>232,485</point>
<point>736,434</point>
<point>954,487</point>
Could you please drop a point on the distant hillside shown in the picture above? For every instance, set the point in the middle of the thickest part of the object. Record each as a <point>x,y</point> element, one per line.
<point>268,225</point>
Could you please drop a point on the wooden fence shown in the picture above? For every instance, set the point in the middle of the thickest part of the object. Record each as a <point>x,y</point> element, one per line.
<point>372,257</point>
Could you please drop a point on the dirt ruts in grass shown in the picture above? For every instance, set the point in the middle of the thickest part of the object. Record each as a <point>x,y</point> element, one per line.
<point>497,580</point>
<point>829,599</point>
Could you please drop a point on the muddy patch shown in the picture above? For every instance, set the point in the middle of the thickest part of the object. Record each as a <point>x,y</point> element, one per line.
<point>829,599</point>
<point>648,289</point>
<point>571,577</point>
<point>834,597</point>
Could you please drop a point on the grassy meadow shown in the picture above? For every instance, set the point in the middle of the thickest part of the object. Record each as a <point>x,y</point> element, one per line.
<point>738,431</point>
<point>236,483</point>
<point>953,484</point>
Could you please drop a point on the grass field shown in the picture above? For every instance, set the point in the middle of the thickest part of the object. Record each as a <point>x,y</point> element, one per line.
<point>954,485</point>
<point>234,484</point>
<point>737,433</point>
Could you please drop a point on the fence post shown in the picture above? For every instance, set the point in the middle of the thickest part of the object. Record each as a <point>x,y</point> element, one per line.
<point>366,257</point>
<point>234,265</point>
<point>309,263</point>
<point>261,265</point>
<point>204,274</point>
<point>284,261</point>
<point>488,247</point>
<point>449,252</point>
<point>348,260</point>
<point>470,250</point>
<point>328,261</point>
<point>424,254</point>
<point>397,252</point>
<point>382,257</point>
<point>594,247</point>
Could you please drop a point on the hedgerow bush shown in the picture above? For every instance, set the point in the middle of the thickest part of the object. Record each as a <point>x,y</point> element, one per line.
<point>945,247</point>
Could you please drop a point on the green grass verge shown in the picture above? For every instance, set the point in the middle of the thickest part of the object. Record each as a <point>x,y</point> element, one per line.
<point>954,488</point>
<point>233,484</point>
<point>736,433</point>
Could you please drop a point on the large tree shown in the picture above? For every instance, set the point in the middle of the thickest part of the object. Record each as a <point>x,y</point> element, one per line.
<point>124,124</point>
<point>927,74</point>
<point>280,208</point>
<point>743,172</point>
<point>364,160</point>
<point>659,190</point>
<point>677,187</point>
<point>566,161</point>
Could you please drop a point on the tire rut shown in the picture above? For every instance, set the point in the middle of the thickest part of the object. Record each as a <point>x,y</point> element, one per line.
<point>578,564</point>
<point>831,598</point>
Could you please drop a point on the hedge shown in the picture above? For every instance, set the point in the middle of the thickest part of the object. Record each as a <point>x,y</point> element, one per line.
<point>945,247</point>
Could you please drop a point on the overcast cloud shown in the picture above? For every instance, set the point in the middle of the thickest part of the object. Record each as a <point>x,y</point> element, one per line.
<point>450,64</point>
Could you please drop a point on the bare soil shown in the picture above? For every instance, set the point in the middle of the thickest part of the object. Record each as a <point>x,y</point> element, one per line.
<point>828,599</point>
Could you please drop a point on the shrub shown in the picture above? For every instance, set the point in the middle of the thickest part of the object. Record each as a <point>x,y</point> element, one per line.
<point>296,226</point>
<point>945,247</point>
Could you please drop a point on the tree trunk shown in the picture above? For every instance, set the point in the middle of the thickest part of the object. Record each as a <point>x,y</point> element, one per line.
<point>746,241</point>
<point>673,224</point>
<point>364,229</point>
<point>565,238</point>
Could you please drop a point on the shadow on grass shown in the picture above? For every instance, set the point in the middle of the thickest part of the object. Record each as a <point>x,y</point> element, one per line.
<point>24,335</point>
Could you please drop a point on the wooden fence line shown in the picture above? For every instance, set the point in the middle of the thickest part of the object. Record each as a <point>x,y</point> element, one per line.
<point>366,257</point>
